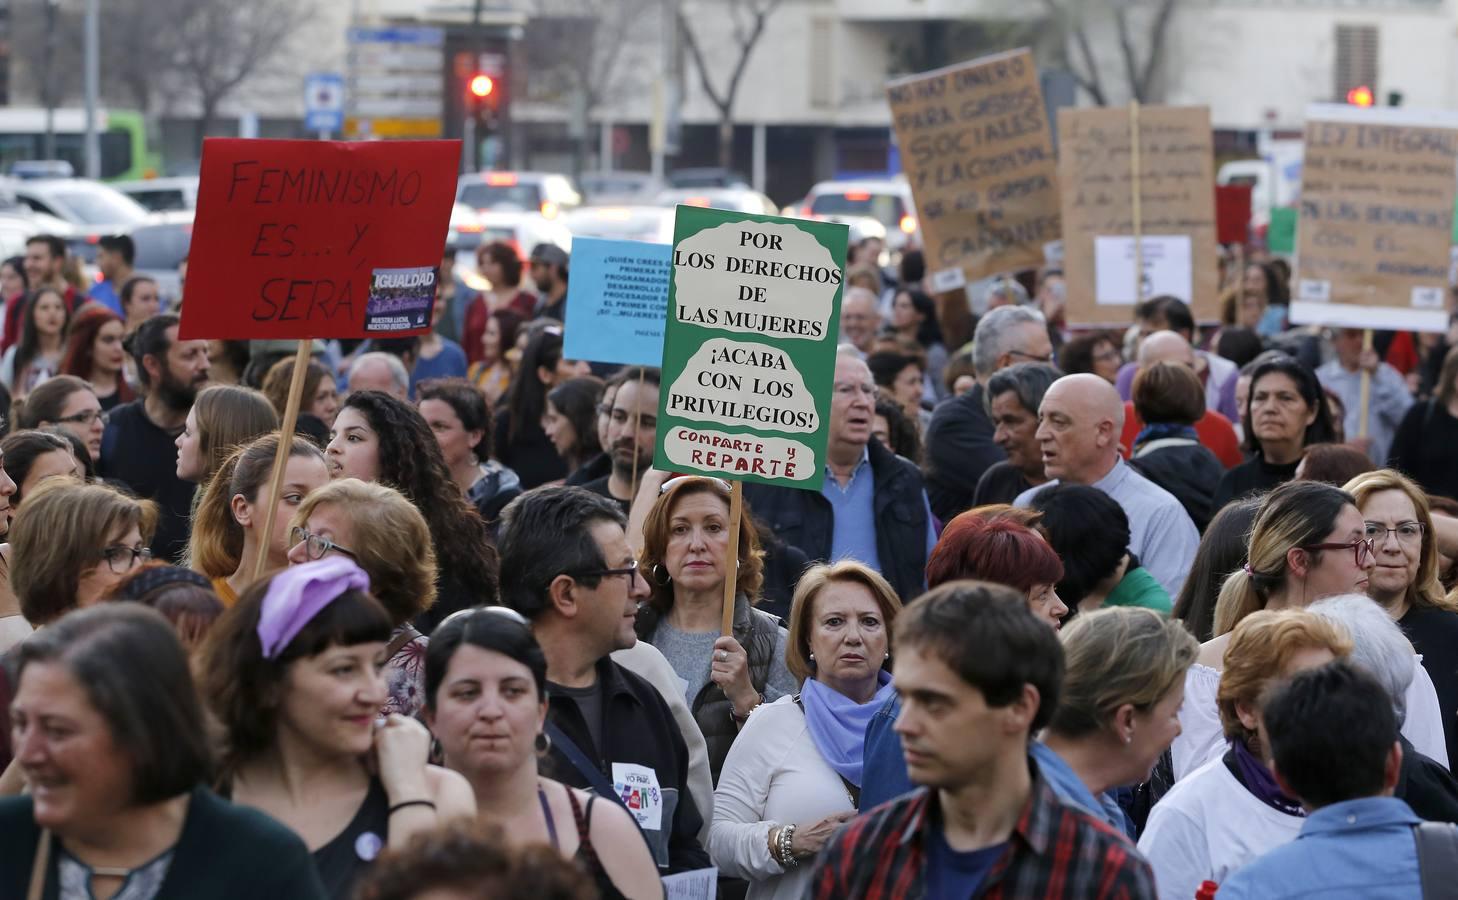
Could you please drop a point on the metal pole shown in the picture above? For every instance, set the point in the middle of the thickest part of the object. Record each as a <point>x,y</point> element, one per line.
<point>93,88</point>
<point>48,83</point>
<point>657,129</point>
<point>468,143</point>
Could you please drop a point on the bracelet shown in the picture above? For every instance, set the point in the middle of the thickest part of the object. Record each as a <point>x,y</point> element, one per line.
<point>786,857</point>
<point>742,718</point>
<point>404,803</point>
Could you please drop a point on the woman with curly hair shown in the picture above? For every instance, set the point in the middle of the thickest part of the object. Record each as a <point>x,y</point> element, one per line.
<point>379,438</point>
<point>94,353</point>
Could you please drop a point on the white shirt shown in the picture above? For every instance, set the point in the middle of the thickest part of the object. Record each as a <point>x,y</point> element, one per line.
<point>774,775</point>
<point>1206,827</point>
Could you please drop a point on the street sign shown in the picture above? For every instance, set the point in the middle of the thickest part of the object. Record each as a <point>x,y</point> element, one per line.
<point>324,102</point>
<point>394,83</point>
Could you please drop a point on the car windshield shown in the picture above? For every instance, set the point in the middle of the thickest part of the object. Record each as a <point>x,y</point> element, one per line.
<point>884,208</point>
<point>161,246</point>
<point>500,196</point>
<point>100,207</point>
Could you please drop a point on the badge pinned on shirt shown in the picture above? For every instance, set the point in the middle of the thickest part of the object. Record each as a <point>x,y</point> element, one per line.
<point>368,845</point>
<point>637,787</point>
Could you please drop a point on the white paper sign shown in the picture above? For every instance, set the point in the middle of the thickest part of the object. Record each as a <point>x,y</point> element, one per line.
<point>638,788</point>
<point>699,884</point>
<point>1166,264</point>
<point>948,279</point>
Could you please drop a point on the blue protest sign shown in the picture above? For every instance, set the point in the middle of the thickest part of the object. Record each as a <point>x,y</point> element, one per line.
<point>617,301</point>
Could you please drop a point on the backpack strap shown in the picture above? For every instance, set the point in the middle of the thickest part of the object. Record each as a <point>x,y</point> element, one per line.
<point>406,635</point>
<point>1437,853</point>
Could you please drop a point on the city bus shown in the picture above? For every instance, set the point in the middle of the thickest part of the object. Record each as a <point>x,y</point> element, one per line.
<point>126,152</point>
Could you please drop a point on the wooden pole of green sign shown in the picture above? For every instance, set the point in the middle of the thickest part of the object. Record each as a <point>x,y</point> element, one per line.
<point>637,418</point>
<point>1366,387</point>
<point>285,445</point>
<point>731,561</point>
<point>1134,201</point>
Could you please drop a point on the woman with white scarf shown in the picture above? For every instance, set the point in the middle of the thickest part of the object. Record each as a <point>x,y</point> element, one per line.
<point>794,773</point>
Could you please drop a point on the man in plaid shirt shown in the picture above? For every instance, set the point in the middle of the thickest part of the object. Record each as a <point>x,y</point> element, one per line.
<point>977,675</point>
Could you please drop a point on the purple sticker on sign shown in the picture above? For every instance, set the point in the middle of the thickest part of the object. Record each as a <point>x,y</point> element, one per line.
<point>400,299</point>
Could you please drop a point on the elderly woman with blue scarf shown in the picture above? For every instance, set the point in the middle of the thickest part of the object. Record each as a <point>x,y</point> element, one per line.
<point>794,774</point>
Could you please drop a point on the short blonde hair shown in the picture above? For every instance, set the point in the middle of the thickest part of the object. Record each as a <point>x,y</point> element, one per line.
<point>389,539</point>
<point>1118,656</point>
<point>1260,650</point>
<point>1425,590</point>
<point>815,580</point>
<point>58,535</point>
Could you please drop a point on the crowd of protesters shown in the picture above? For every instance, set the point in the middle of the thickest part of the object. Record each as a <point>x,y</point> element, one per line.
<point>1151,612</point>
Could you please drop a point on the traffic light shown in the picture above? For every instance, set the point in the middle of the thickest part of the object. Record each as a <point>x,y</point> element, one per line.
<point>481,86</point>
<point>1361,96</point>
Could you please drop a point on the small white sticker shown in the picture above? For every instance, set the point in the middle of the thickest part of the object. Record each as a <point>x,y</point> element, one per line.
<point>1427,297</point>
<point>1053,253</point>
<point>948,279</point>
<point>637,787</point>
<point>1314,290</point>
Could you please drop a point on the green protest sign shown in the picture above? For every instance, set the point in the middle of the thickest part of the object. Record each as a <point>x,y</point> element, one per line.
<point>1281,234</point>
<point>749,347</point>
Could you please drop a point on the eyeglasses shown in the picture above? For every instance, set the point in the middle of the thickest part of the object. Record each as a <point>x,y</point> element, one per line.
<point>122,559</point>
<point>316,546</point>
<point>1362,550</point>
<point>85,417</point>
<point>719,483</point>
<point>1032,356</point>
<point>630,570</point>
<point>1409,533</point>
<point>851,390</point>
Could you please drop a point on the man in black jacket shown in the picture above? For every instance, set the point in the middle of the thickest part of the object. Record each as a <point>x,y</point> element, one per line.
<point>872,506</point>
<point>566,565</point>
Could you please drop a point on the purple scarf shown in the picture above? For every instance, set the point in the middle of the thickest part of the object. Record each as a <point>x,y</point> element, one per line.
<point>838,724</point>
<point>1253,774</point>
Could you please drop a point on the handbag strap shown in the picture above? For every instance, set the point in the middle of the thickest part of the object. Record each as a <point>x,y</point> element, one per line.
<point>406,635</point>
<point>591,773</point>
<point>41,867</point>
<point>1437,853</point>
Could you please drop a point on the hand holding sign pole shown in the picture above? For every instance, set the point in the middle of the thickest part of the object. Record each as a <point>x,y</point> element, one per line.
<point>316,239</point>
<point>749,353</point>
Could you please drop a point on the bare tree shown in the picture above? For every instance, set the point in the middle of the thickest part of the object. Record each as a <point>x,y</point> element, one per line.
<point>136,49</point>
<point>1073,16</point>
<point>748,19</point>
<point>219,44</point>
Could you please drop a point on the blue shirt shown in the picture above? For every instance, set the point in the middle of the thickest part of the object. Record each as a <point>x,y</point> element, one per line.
<point>450,362</point>
<point>884,776</point>
<point>1360,849</point>
<point>1072,791</point>
<point>955,875</point>
<point>104,292</point>
<point>854,509</point>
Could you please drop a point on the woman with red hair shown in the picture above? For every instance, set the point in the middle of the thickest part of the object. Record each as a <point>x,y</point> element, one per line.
<point>94,353</point>
<point>1004,552</point>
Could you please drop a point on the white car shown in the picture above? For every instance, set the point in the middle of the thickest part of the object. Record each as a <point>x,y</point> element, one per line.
<point>161,194</point>
<point>653,224</point>
<point>93,209</point>
<point>520,230</point>
<point>888,201</point>
<point>742,200</point>
<point>546,193</point>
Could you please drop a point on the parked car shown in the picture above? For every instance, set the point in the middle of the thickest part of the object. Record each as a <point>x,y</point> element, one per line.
<point>92,209</point>
<point>619,188</point>
<point>161,194</point>
<point>521,230</point>
<point>653,224</point>
<point>465,228</point>
<point>888,201</point>
<point>162,243</point>
<point>707,177</point>
<point>546,193</point>
<point>735,199</point>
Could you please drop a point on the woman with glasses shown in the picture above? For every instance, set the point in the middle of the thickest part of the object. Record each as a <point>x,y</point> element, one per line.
<point>384,534</point>
<point>72,544</point>
<point>379,438</point>
<point>292,674</point>
<point>685,541</point>
<point>461,422</point>
<point>227,527</point>
<point>1405,581</point>
<point>110,734</point>
<point>1095,354</point>
<point>1308,542</point>
<point>486,702</point>
<point>1285,413</point>
<point>520,442</point>
<point>70,403</point>
<point>94,353</point>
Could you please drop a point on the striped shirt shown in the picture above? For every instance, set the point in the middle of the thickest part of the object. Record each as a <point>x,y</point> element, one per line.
<point>1054,851</point>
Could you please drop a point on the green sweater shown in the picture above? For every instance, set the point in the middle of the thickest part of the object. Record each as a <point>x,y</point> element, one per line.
<point>1138,588</point>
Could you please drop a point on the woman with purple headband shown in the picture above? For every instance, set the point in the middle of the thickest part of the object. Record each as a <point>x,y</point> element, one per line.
<point>293,673</point>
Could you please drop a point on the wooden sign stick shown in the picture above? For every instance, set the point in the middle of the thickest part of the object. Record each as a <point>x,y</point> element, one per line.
<point>1134,201</point>
<point>1366,387</point>
<point>731,561</point>
<point>285,446</point>
<point>637,418</point>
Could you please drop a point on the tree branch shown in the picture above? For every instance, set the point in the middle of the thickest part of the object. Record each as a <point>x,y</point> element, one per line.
<point>1091,82</point>
<point>1157,32</point>
<point>1126,49</point>
<point>692,43</point>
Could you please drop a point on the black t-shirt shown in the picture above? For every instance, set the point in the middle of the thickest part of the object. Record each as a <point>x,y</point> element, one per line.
<point>1253,476</point>
<point>1425,447</point>
<point>1000,484</point>
<point>531,455</point>
<point>142,456</point>
<point>959,449</point>
<point>589,703</point>
<point>600,486</point>
<point>1434,634</point>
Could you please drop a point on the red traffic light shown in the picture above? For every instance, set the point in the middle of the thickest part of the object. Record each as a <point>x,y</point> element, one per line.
<point>1361,96</point>
<point>481,85</point>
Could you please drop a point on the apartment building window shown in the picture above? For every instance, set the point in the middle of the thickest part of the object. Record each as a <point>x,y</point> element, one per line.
<point>1356,59</point>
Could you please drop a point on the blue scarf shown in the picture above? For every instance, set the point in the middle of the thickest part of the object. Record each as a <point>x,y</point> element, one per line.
<point>1161,430</point>
<point>838,724</point>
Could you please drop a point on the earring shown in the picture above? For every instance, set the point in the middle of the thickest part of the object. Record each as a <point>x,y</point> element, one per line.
<point>660,575</point>
<point>1128,738</point>
<point>543,744</point>
<point>887,655</point>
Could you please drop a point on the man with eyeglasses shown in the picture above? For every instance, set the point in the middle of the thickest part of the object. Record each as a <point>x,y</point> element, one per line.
<point>631,432</point>
<point>567,566</point>
<point>959,439</point>
<point>872,506</point>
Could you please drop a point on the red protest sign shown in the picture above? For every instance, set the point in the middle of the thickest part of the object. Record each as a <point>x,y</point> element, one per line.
<point>1232,213</point>
<point>317,239</point>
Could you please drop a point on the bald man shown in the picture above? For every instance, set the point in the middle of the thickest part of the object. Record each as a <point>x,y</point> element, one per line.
<point>1079,423</point>
<point>1213,429</point>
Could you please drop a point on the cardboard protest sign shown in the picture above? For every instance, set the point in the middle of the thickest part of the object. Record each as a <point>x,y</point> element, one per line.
<point>306,239</point>
<point>978,153</point>
<point>1170,206</point>
<point>1376,218</point>
<point>749,347</point>
<point>617,301</point>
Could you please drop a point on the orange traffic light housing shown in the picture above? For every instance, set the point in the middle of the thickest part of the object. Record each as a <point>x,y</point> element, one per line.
<point>1361,96</point>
